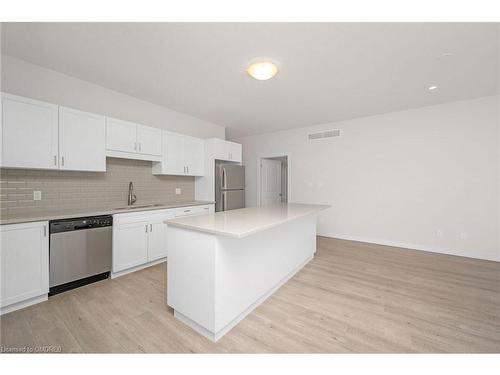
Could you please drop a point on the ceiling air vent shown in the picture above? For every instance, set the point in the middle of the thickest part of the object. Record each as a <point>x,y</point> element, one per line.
<point>325,134</point>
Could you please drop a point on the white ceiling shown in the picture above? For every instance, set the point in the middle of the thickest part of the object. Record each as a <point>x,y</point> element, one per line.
<point>328,71</point>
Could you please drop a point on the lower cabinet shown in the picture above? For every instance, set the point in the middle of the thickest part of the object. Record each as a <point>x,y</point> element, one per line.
<point>140,238</point>
<point>24,259</point>
<point>132,242</point>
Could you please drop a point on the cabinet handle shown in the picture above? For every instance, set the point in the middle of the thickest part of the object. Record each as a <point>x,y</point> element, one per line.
<point>150,227</point>
<point>45,231</point>
<point>135,146</point>
<point>187,168</point>
<point>55,159</point>
<point>140,146</point>
<point>62,160</point>
<point>146,228</point>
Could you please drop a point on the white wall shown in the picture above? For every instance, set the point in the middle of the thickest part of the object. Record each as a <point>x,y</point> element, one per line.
<point>424,179</point>
<point>26,79</point>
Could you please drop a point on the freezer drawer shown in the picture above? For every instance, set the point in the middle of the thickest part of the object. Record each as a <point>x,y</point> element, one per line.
<point>232,199</point>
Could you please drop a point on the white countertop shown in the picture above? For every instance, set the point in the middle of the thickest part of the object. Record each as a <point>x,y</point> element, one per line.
<point>246,221</point>
<point>72,213</point>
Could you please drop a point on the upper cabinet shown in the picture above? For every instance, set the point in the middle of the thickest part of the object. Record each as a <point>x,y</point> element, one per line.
<point>82,141</point>
<point>41,135</point>
<point>149,140</point>
<point>29,133</point>
<point>132,141</point>
<point>225,150</point>
<point>121,136</point>
<point>182,155</point>
<point>194,149</point>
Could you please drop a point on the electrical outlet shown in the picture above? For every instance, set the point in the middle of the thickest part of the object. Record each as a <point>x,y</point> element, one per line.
<point>178,191</point>
<point>37,195</point>
<point>439,232</point>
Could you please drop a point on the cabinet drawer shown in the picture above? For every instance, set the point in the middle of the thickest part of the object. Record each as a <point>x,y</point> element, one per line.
<point>194,210</point>
<point>135,217</point>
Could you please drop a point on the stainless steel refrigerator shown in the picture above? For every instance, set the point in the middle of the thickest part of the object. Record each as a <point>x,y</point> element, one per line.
<point>229,186</point>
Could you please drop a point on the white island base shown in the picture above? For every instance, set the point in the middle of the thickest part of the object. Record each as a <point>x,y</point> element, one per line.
<point>215,280</point>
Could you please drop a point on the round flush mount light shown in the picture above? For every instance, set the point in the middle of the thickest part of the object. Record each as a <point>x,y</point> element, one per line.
<point>262,70</point>
<point>432,87</point>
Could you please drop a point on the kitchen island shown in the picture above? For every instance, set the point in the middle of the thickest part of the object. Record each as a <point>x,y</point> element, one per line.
<point>221,266</point>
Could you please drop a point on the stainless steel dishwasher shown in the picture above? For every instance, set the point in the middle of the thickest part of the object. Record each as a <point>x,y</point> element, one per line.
<point>79,252</point>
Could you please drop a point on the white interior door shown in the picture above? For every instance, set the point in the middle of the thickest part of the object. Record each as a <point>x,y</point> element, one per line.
<point>82,140</point>
<point>270,182</point>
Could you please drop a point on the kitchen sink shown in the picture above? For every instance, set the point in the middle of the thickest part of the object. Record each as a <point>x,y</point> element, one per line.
<point>137,207</point>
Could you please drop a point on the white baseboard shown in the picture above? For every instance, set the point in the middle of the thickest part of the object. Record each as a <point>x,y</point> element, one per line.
<point>114,275</point>
<point>23,304</point>
<point>404,245</point>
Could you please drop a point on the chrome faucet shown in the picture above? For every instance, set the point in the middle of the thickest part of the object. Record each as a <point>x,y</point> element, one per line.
<point>131,196</point>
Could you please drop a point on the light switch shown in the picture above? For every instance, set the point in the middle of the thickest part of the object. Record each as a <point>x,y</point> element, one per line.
<point>178,191</point>
<point>37,195</point>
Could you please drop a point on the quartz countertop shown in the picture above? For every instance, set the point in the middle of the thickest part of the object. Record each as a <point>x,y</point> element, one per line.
<point>74,213</point>
<point>246,221</point>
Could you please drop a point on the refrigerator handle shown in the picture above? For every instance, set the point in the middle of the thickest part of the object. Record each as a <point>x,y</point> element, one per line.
<point>223,201</point>
<point>223,183</point>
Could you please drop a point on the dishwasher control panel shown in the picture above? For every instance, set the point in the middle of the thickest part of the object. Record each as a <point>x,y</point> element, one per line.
<point>58,226</point>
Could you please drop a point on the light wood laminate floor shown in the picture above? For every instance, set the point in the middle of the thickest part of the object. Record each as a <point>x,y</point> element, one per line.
<point>352,297</point>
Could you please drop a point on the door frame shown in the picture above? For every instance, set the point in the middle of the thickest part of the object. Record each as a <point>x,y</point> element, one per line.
<point>259,172</point>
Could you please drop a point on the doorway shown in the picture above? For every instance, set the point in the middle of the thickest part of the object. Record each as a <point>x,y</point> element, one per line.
<point>273,180</point>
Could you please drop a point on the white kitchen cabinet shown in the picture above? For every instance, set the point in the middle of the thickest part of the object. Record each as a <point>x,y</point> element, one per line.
<point>194,155</point>
<point>132,141</point>
<point>149,140</point>
<point>173,155</point>
<point>24,259</point>
<point>140,238</point>
<point>182,155</point>
<point>132,242</point>
<point>225,150</point>
<point>82,141</point>
<point>121,136</point>
<point>234,151</point>
<point>29,133</point>
<point>157,246</point>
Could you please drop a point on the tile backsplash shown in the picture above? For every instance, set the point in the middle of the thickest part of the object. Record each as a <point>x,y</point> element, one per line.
<point>66,190</point>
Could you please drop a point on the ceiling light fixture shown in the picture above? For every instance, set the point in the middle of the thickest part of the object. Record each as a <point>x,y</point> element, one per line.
<point>262,70</point>
<point>432,87</point>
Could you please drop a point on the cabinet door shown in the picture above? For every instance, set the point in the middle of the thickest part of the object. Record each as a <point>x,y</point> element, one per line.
<point>82,140</point>
<point>148,140</point>
<point>24,259</point>
<point>121,135</point>
<point>194,155</point>
<point>173,154</point>
<point>221,151</point>
<point>29,133</point>
<point>130,245</point>
<point>158,237</point>
<point>234,151</point>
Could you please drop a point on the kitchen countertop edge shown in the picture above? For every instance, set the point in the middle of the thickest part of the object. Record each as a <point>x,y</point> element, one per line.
<point>111,211</point>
